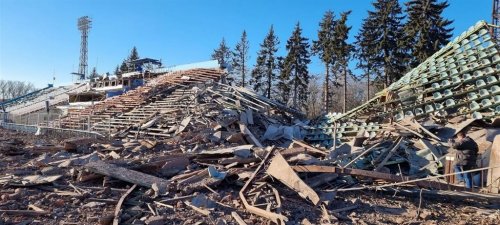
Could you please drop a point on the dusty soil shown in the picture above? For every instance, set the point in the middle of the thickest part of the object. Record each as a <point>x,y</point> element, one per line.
<point>69,201</point>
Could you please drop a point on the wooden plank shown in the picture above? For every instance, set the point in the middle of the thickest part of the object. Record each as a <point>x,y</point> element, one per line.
<point>280,169</point>
<point>246,131</point>
<point>124,174</point>
<point>378,175</point>
<point>410,130</point>
<point>24,212</point>
<point>358,172</point>
<point>493,180</point>
<point>389,155</point>
<point>238,218</point>
<point>362,154</point>
<point>309,148</point>
<point>276,218</point>
<point>116,219</point>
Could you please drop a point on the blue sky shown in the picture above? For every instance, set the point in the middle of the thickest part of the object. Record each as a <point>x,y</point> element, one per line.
<point>40,38</point>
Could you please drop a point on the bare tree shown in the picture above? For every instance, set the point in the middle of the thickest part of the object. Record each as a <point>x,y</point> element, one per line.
<point>12,89</point>
<point>313,102</point>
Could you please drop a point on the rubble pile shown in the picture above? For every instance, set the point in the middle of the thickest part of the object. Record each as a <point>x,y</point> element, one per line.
<point>192,150</point>
<point>148,181</point>
<point>111,107</point>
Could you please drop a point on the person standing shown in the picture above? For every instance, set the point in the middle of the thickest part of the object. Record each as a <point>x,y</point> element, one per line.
<point>467,151</point>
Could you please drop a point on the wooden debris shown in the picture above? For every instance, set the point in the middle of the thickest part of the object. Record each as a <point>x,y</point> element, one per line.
<point>493,180</point>
<point>238,218</point>
<point>24,212</point>
<point>276,218</point>
<point>117,214</point>
<point>197,209</point>
<point>121,173</point>
<point>253,140</point>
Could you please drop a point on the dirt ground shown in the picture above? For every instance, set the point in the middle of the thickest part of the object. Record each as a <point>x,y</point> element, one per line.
<point>69,201</point>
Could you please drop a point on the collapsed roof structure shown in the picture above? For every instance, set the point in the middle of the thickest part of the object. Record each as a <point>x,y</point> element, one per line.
<point>461,79</point>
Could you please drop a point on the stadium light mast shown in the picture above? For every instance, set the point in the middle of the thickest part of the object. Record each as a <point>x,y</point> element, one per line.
<point>84,25</point>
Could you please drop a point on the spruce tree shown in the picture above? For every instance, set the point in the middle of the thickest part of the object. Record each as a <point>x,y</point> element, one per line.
<point>342,50</point>
<point>123,67</point>
<point>93,74</point>
<point>323,47</point>
<point>387,51</point>
<point>264,72</point>
<point>427,30</point>
<point>283,86</point>
<point>365,51</point>
<point>295,67</point>
<point>240,58</point>
<point>117,70</point>
<point>134,55</point>
<point>222,54</point>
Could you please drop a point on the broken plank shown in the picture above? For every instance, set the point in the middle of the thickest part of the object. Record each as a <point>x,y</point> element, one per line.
<point>331,169</point>
<point>389,155</point>
<point>238,218</point>
<point>197,209</point>
<point>124,174</point>
<point>24,212</point>
<point>244,129</point>
<point>309,148</point>
<point>362,154</point>
<point>276,218</point>
<point>425,182</point>
<point>280,169</point>
<point>118,208</point>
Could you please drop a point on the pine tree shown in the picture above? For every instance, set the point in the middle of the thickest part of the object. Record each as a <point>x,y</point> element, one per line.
<point>93,74</point>
<point>240,57</point>
<point>123,67</point>
<point>222,54</point>
<point>295,70</point>
<point>427,30</point>
<point>382,42</point>
<point>324,48</point>
<point>117,70</point>
<point>283,84</point>
<point>134,55</point>
<point>364,51</point>
<point>342,50</point>
<point>264,72</point>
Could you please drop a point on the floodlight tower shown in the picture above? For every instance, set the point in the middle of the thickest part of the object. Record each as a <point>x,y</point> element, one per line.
<point>84,25</point>
<point>495,20</point>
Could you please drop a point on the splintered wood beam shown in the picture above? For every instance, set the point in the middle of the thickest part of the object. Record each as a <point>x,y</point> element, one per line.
<point>24,212</point>
<point>124,174</point>
<point>276,218</point>
<point>425,182</point>
<point>280,169</point>
<point>246,131</point>
<point>117,214</point>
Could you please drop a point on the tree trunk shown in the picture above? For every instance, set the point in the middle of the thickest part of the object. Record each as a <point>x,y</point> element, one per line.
<point>243,72</point>
<point>295,89</point>
<point>385,70</point>
<point>345,89</point>
<point>368,84</point>
<point>269,74</point>
<point>326,97</point>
